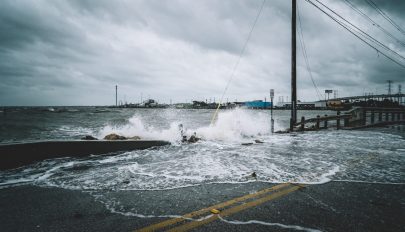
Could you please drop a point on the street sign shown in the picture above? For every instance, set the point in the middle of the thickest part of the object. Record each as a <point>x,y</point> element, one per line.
<point>271,92</point>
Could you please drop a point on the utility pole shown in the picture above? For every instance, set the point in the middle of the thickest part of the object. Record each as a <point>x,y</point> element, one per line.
<point>271,110</point>
<point>293,119</point>
<point>116,95</point>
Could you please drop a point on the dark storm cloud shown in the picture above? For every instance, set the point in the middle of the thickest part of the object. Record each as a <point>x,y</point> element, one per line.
<point>75,52</point>
<point>21,25</point>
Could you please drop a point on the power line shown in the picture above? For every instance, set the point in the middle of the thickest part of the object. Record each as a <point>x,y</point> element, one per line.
<point>384,15</point>
<point>353,7</point>
<point>349,30</point>
<point>364,33</point>
<point>239,59</point>
<point>304,53</point>
<point>353,33</point>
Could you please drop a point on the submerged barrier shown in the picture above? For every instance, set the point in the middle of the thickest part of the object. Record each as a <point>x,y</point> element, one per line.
<point>357,118</point>
<point>19,154</point>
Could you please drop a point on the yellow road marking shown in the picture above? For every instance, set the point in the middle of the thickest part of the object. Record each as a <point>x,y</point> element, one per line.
<point>169,222</point>
<point>236,209</point>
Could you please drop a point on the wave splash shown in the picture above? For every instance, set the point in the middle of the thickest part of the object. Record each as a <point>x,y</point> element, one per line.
<point>234,125</point>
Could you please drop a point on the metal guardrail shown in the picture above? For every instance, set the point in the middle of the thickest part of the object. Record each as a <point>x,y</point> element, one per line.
<point>321,119</point>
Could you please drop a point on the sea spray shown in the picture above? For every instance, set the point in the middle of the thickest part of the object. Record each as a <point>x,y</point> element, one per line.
<point>136,127</point>
<point>232,125</point>
<point>236,125</point>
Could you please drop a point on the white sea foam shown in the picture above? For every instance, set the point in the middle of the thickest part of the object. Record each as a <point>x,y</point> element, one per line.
<point>14,182</point>
<point>284,226</point>
<point>236,125</point>
<point>184,166</point>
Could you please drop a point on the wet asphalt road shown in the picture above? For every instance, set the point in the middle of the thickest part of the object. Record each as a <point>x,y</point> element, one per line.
<point>334,206</point>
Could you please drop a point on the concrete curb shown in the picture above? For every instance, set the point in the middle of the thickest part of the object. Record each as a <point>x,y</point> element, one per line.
<point>19,154</point>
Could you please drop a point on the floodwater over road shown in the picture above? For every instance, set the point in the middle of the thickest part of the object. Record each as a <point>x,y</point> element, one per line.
<point>373,155</point>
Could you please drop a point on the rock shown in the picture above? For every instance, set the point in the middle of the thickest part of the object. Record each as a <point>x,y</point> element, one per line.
<point>114,137</point>
<point>247,144</point>
<point>193,139</point>
<point>135,138</point>
<point>254,175</point>
<point>88,137</point>
<point>258,141</point>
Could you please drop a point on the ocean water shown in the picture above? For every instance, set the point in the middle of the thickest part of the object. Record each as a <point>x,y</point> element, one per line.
<point>372,155</point>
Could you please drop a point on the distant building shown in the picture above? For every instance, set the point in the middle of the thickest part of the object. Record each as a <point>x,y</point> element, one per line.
<point>149,103</point>
<point>320,104</point>
<point>303,105</point>
<point>199,105</point>
<point>257,104</point>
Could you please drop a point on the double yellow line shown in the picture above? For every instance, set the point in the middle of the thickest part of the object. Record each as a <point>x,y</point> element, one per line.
<point>262,197</point>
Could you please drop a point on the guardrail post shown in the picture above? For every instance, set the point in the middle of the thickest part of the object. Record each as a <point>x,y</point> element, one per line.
<point>291,125</point>
<point>317,122</point>
<point>364,117</point>
<point>325,123</point>
<point>346,122</point>
<point>379,116</point>
<point>393,116</point>
<point>372,117</point>
<point>338,121</point>
<point>386,117</point>
<point>302,123</point>
<point>399,116</point>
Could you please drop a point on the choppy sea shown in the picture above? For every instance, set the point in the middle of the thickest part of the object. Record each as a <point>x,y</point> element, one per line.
<point>372,155</point>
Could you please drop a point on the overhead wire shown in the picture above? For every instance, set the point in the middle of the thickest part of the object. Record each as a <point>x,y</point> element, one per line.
<point>363,32</point>
<point>353,7</point>
<point>384,15</point>
<point>353,33</point>
<point>238,61</point>
<point>305,55</point>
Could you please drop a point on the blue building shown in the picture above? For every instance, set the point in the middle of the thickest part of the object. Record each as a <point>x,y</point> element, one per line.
<point>257,104</point>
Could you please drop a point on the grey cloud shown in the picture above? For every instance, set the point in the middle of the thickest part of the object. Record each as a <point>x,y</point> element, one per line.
<point>24,23</point>
<point>395,8</point>
<point>57,52</point>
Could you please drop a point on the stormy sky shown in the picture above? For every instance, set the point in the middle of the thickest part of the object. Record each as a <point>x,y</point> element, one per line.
<point>74,52</point>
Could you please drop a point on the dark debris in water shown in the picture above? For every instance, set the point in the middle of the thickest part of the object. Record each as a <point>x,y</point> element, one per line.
<point>88,137</point>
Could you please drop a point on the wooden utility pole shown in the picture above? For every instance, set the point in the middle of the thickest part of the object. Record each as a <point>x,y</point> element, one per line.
<point>293,119</point>
<point>271,110</point>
